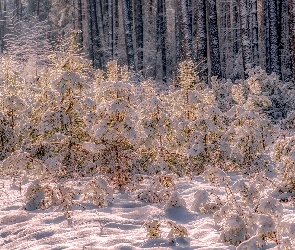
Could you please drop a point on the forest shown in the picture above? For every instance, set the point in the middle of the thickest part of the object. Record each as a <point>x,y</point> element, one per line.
<point>153,37</point>
<point>131,124</point>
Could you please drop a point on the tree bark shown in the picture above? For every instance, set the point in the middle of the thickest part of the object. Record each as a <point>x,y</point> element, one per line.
<point>95,44</point>
<point>186,26</point>
<point>273,37</point>
<point>292,32</point>
<point>255,33</point>
<point>161,35</point>
<point>116,30</point>
<point>139,33</point>
<point>213,39</point>
<point>111,29</point>
<point>202,30</point>
<point>201,24</point>
<point>245,40</point>
<point>177,18</point>
<point>126,8</point>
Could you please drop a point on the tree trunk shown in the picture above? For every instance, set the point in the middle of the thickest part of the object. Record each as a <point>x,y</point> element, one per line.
<point>186,26</point>
<point>95,44</point>
<point>279,31</point>
<point>177,17</point>
<point>139,33</point>
<point>245,40</point>
<point>126,8</point>
<point>255,33</point>
<point>235,25</point>
<point>273,37</point>
<point>79,21</point>
<point>202,33</point>
<point>292,32</point>
<point>101,30</point>
<point>161,35</point>
<point>116,30</point>
<point>213,39</point>
<point>111,29</point>
<point>267,38</point>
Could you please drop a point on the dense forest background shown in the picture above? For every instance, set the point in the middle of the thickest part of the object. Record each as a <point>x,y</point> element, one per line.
<point>153,36</point>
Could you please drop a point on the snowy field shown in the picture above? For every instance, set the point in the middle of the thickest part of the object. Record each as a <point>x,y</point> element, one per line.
<point>117,226</point>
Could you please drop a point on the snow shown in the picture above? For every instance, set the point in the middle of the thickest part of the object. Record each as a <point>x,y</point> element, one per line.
<point>117,226</point>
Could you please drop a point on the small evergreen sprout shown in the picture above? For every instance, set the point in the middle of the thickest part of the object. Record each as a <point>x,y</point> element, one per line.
<point>204,203</point>
<point>234,229</point>
<point>201,197</point>
<point>35,196</point>
<point>175,200</point>
<point>177,231</point>
<point>98,192</point>
<point>153,229</point>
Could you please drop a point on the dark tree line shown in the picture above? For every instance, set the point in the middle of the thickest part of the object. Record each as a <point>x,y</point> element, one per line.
<point>153,36</point>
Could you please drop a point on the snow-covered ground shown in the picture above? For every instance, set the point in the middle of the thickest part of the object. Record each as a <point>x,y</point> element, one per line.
<point>117,226</point>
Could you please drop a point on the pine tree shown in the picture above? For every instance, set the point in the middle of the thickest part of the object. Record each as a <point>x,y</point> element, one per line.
<point>273,37</point>
<point>139,33</point>
<point>245,40</point>
<point>127,9</point>
<point>202,31</point>
<point>161,35</point>
<point>255,33</point>
<point>292,32</point>
<point>186,26</point>
<point>213,39</point>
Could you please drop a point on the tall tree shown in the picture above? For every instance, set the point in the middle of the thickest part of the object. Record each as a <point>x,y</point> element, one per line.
<point>273,37</point>
<point>111,28</point>
<point>95,45</point>
<point>255,33</point>
<point>245,40</point>
<point>101,30</point>
<point>201,24</point>
<point>127,10</point>
<point>161,35</point>
<point>139,33</point>
<point>292,32</point>
<point>177,24</point>
<point>267,37</point>
<point>116,28</point>
<point>213,39</point>
<point>187,30</point>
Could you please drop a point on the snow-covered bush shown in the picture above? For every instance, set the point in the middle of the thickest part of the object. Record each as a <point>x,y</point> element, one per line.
<point>177,231</point>
<point>284,155</point>
<point>98,192</point>
<point>249,217</point>
<point>59,114</point>
<point>153,229</point>
<point>160,187</point>
<point>115,130</point>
